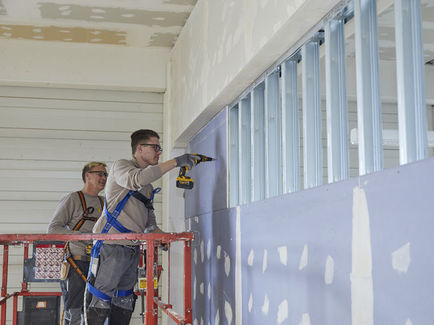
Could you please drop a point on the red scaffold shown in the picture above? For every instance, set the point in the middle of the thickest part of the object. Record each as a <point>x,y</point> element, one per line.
<point>152,241</point>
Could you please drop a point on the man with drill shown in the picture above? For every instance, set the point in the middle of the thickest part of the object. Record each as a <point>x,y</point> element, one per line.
<point>76,213</point>
<point>128,208</point>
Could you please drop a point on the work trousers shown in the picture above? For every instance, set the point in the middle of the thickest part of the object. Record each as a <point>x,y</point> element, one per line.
<point>73,293</point>
<point>117,270</point>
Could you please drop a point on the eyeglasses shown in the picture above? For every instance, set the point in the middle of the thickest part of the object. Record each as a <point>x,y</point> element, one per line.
<point>157,147</point>
<point>100,173</point>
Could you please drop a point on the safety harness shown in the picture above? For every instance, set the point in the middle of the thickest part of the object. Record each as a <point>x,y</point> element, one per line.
<point>112,222</point>
<point>85,217</point>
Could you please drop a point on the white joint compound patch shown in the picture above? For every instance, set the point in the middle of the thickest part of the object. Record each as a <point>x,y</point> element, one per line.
<point>250,258</point>
<point>202,288</point>
<point>217,317</point>
<point>201,321</point>
<point>283,254</point>
<point>282,312</point>
<point>266,305</point>
<point>195,256</point>
<point>218,252</point>
<point>305,319</point>
<point>202,251</point>
<point>195,322</point>
<point>362,292</point>
<point>408,322</point>
<point>401,258</point>
<point>228,313</point>
<point>264,261</point>
<point>227,264</point>
<point>250,303</point>
<point>329,270</point>
<point>209,291</point>
<point>208,249</point>
<point>196,219</point>
<point>303,258</point>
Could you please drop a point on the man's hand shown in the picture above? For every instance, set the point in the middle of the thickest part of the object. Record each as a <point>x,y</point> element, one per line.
<point>187,160</point>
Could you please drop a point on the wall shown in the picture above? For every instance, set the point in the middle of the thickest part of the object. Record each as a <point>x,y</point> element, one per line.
<point>224,47</point>
<point>82,66</point>
<point>351,252</point>
<point>46,136</point>
<point>227,45</point>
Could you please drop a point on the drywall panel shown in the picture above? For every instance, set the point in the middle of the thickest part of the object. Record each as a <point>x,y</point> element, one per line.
<point>401,219</point>
<point>213,271</point>
<point>296,257</point>
<point>210,178</point>
<point>351,252</point>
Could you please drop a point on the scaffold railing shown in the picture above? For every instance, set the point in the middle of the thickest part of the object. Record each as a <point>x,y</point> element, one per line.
<point>152,241</point>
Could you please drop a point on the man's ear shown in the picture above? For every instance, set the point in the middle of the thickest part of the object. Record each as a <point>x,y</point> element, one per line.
<point>86,177</point>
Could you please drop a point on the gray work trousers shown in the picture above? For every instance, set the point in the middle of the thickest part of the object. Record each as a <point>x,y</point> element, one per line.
<point>73,292</point>
<point>117,270</point>
<point>73,316</point>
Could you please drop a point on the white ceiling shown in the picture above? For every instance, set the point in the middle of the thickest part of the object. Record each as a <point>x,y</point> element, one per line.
<point>142,23</point>
<point>138,23</point>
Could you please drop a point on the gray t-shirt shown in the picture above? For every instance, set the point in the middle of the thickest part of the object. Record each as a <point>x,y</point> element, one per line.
<point>126,175</point>
<point>68,213</point>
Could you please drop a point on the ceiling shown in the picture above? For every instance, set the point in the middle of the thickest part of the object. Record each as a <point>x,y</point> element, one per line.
<point>145,23</point>
<point>138,23</point>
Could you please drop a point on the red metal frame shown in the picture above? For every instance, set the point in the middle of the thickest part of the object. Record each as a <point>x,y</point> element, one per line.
<point>153,242</point>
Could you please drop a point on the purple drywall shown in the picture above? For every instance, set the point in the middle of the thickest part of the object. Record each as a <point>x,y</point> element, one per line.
<point>209,191</point>
<point>399,204</point>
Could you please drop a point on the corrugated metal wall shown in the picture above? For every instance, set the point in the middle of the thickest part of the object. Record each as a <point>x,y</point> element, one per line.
<point>46,136</point>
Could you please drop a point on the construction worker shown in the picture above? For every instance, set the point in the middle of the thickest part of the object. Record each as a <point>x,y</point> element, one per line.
<point>77,213</point>
<point>128,208</point>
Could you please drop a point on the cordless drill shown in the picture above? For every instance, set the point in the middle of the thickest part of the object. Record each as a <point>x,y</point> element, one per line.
<point>186,182</point>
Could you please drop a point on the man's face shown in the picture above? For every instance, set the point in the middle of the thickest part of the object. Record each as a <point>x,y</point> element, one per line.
<point>149,151</point>
<point>97,177</point>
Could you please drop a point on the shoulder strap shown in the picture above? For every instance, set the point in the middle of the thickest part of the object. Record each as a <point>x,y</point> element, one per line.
<point>83,200</point>
<point>86,211</point>
<point>147,202</point>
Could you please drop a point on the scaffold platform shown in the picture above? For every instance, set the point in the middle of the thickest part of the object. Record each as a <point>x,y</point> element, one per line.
<point>153,243</point>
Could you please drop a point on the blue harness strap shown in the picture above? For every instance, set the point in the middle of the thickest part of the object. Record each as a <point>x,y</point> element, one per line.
<point>112,222</point>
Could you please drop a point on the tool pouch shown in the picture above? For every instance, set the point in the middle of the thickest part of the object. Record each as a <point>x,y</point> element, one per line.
<point>64,270</point>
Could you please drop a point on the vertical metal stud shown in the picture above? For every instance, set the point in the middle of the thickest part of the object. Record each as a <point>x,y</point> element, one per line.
<point>233,156</point>
<point>245,149</point>
<point>368,88</point>
<point>312,143</point>
<point>273,162</point>
<point>258,143</point>
<point>410,80</point>
<point>337,130</point>
<point>290,132</point>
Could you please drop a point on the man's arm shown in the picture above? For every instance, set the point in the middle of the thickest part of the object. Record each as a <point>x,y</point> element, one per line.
<point>167,166</point>
<point>61,217</point>
<point>134,178</point>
